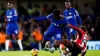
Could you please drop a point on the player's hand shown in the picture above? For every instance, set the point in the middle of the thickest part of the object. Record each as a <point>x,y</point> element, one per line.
<point>31,20</point>
<point>69,25</point>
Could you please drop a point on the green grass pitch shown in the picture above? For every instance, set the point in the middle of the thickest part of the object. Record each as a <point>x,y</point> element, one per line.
<point>44,53</point>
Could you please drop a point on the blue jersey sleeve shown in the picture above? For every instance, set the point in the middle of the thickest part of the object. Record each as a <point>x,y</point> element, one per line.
<point>78,18</point>
<point>14,15</point>
<point>41,18</point>
<point>44,17</point>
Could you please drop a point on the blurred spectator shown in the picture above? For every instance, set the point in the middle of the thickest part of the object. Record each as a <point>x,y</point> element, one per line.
<point>2,12</point>
<point>2,9</point>
<point>97,27</point>
<point>36,10</point>
<point>37,34</point>
<point>93,33</point>
<point>29,8</point>
<point>45,9</point>
<point>52,8</point>
<point>22,10</point>
<point>2,39</point>
<point>20,35</point>
<point>87,10</point>
<point>97,7</point>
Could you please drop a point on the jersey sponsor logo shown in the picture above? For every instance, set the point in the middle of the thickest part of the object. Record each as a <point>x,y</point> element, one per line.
<point>9,16</point>
<point>69,17</point>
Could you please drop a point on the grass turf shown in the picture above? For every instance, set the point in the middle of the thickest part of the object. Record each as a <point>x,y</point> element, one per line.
<point>44,53</point>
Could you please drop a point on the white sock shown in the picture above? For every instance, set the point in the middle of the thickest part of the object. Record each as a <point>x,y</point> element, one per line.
<point>20,44</point>
<point>7,45</point>
<point>40,46</point>
<point>60,50</point>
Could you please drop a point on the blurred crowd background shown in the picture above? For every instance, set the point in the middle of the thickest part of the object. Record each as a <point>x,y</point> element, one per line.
<point>89,11</point>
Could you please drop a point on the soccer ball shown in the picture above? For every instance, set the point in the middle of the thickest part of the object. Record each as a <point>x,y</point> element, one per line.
<point>34,52</point>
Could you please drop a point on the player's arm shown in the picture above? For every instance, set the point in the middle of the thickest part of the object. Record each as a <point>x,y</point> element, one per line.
<point>14,15</point>
<point>41,18</point>
<point>78,18</point>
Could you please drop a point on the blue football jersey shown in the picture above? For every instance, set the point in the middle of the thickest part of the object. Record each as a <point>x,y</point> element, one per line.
<point>11,15</point>
<point>60,23</point>
<point>12,26</point>
<point>73,16</point>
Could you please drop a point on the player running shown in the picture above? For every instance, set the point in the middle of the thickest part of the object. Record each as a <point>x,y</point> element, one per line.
<point>54,32</point>
<point>12,26</point>
<point>73,17</point>
<point>80,44</point>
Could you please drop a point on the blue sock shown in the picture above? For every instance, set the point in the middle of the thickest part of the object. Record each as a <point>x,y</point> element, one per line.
<point>51,43</point>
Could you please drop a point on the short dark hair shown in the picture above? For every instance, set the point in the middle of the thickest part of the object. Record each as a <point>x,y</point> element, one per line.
<point>67,0</point>
<point>84,28</point>
<point>10,2</point>
<point>56,12</point>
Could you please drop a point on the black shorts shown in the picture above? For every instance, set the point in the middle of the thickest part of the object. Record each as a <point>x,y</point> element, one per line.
<point>75,50</point>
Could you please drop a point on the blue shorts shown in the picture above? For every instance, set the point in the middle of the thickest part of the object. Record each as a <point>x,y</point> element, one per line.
<point>12,28</point>
<point>53,33</point>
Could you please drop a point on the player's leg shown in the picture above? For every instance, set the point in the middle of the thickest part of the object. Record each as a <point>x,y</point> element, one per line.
<point>9,33</point>
<point>69,48</point>
<point>49,43</point>
<point>58,38</point>
<point>76,50</point>
<point>49,34</point>
<point>48,40</point>
<point>15,32</point>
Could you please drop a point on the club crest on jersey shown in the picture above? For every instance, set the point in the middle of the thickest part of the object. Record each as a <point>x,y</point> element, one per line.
<point>10,13</point>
